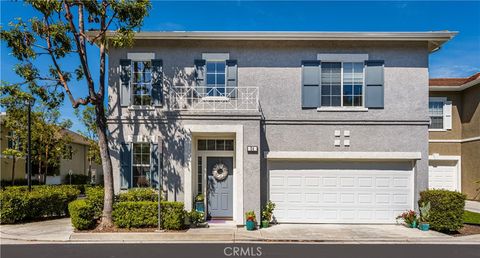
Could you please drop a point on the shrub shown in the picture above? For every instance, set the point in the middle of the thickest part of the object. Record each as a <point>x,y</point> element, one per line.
<point>17,182</point>
<point>82,214</point>
<point>95,195</point>
<point>196,217</point>
<point>139,195</point>
<point>76,179</point>
<point>17,204</point>
<point>145,214</point>
<point>447,208</point>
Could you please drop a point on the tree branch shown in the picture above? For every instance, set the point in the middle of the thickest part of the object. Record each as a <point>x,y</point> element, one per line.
<point>81,52</point>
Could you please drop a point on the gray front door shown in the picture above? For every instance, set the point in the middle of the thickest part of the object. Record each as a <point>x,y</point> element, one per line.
<point>220,192</point>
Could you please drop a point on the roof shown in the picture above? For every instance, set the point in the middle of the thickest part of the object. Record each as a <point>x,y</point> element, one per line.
<point>454,84</point>
<point>76,137</point>
<point>434,38</point>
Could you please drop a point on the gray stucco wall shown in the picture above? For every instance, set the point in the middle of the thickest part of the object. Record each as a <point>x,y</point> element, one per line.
<point>274,67</point>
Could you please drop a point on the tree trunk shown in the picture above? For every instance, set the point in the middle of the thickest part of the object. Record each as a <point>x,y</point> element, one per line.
<point>14,160</point>
<point>106,165</point>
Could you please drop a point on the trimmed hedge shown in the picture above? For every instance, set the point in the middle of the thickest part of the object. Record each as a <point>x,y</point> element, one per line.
<point>18,205</point>
<point>145,214</point>
<point>82,214</point>
<point>138,195</point>
<point>17,182</point>
<point>94,198</point>
<point>447,208</point>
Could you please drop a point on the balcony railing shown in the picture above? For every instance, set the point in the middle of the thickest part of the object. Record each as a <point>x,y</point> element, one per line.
<point>213,98</point>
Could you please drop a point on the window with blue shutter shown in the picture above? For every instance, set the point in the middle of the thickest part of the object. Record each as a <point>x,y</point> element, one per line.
<point>310,84</point>
<point>374,84</point>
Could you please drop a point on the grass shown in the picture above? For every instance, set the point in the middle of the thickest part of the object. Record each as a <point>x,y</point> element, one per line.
<point>471,218</point>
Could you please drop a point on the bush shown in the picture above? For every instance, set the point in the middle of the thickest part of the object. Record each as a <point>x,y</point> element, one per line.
<point>145,214</point>
<point>95,195</point>
<point>138,195</point>
<point>82,214</point>
<point>447,208</point>
<point>76,179</point>
<point>18,182</point>
<point>17,204</point>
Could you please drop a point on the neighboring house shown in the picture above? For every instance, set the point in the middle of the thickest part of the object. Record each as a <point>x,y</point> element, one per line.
<point>332,127</point>
<point>454,136</point>
<point>74,159</point>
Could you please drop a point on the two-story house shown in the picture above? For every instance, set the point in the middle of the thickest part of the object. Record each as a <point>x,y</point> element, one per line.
<point>454,109</point>
<point>331,126</point>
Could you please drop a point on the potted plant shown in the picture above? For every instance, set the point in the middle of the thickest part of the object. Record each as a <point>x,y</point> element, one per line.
<point>424,216</point>
<point>197,219</point>
<point>251,220</point>
<point>267,213</point>
<point>199,203</point>
<point>410,218</point>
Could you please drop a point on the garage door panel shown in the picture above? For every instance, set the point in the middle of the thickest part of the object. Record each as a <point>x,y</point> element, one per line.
<point>341,196</point>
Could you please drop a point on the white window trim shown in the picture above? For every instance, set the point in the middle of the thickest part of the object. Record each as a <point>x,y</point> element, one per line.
<point>139,57</point>
<point>341,59</point>
<point>443,100</point>
<point>131,158</point>
<point>329,57</point>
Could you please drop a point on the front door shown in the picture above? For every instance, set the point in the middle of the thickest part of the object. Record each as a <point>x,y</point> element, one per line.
<point>220,187</point>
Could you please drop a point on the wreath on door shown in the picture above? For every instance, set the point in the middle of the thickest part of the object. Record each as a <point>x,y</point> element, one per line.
<point>220,171</point>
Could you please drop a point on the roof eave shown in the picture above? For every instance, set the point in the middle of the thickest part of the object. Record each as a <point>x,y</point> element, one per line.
<point>455,88</point>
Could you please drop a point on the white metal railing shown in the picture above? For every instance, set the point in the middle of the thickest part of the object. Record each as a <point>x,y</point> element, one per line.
<point>213,98</point>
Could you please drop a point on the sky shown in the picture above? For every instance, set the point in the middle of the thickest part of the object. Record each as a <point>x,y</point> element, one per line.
<point>458,58</point>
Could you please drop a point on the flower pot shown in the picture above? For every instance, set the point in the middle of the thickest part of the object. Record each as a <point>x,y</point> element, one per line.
<point>265,223</point>
<point>413,224</point>
<point>200,206</point>
<point>424,226</point>
<point>250,225</point>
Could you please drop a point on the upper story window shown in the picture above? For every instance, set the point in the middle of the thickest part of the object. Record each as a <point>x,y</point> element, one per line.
<point>440,112</point>
<point>12,141</point>
<point>215,77</point>
<point>342,84</point>
<point>215,145</point>
<point>142,83</point>
<point>141,165</point>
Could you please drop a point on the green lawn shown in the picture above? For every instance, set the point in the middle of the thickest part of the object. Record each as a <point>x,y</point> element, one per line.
<point>471,217</point>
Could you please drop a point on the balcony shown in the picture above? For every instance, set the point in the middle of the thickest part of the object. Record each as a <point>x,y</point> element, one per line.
<point>206,98</point>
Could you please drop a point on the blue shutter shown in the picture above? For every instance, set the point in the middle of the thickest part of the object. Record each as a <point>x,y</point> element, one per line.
<point>374,84</point>
<point>154,164</point>
<point>125,166</point>
<point>310,84</point>
<point>125,75</point>
<point>231,80</point>
<point>157,75</point>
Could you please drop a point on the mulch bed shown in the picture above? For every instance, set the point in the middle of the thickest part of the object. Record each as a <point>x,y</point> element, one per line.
<point>468,229</point>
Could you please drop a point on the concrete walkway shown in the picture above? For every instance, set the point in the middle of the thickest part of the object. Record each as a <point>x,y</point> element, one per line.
<point>61,231</point>
<point>472,206</point>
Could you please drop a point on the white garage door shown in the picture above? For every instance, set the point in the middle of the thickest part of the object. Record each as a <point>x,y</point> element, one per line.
<point>443,175</point>
<point>347,192</point>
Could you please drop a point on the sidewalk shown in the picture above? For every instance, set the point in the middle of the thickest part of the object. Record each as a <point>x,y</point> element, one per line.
<point>61,231</point>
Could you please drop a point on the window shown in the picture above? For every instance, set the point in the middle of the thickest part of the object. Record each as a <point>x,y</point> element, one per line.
<point>199,176</point>
<point>215,145</point>
<point>141,165</point>
<point>12,141</point>
<point>435,110</point>
<point>68,152</point>
<point>142,83</point>
<point>342,84</point>
<point>215,78</point>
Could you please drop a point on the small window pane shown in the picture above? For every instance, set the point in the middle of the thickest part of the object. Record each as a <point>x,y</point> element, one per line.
<point>229,145</point>
<point>436,122</point>
<point>357,101</point>
<point>211,79</point>
<point>220,145</point>
<point>326,90</point>
<point>348,90</point>
<point>336,101</point>
<point>211,145</point>
<point>358,89</point>
<point>202,145</point>
<point>210,67</point>
<point>336,90</point>
<point>347,100</point>
<point>326,101</point>
<point>220,79</point>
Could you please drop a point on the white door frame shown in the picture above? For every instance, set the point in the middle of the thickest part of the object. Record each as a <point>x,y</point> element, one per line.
<point>238,161</point>
<point>458,166</point>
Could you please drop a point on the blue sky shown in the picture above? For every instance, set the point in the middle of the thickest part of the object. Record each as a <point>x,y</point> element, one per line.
<point>458,58</point>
